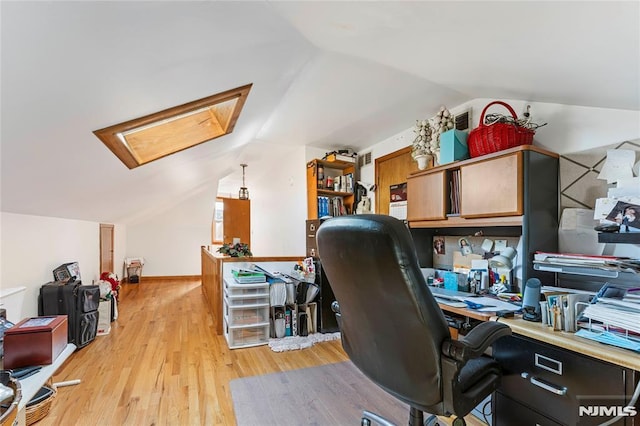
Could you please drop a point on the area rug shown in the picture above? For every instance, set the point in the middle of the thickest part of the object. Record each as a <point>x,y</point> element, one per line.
<point>333,394</point>
<point>301,342</point>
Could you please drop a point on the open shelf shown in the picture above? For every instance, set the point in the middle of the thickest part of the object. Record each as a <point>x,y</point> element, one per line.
<point>619,237</point>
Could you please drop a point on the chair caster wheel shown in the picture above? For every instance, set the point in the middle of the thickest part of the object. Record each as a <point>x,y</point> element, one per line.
<point>365,422</point>
<point>459,421</point>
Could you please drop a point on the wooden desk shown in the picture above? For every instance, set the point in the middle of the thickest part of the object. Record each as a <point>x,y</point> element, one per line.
<point>468,313</point>
<point>562,339</point>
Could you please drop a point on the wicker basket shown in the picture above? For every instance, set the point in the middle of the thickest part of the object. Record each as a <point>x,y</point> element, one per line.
<point>38,411</point>
<point>8,414</point>
<point>495,137</point>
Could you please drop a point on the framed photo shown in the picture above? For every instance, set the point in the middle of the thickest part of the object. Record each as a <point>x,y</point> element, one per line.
<point>627,215</point>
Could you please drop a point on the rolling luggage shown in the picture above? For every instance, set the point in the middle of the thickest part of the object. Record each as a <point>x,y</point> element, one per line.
<point>79,302</point>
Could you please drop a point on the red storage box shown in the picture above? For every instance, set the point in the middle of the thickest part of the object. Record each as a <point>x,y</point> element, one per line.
<point>35,341</point>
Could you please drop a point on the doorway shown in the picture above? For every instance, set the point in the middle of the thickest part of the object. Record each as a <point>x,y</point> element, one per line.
<point>231,219</point>
<point>106,248</point>
<point>392,169</point>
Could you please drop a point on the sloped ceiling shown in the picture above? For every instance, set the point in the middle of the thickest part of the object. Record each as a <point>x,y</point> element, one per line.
<point>324,74</point>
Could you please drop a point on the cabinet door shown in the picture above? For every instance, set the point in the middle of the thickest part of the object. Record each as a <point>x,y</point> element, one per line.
<point>492,188</point>
<point>426,197</point>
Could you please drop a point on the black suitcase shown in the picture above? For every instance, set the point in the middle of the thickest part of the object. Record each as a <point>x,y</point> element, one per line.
<point>78,302</point>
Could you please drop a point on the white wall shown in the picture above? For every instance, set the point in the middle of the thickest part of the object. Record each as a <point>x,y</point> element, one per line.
<point>279,208</point>
<point>32,246</point>
<point>170,241</point>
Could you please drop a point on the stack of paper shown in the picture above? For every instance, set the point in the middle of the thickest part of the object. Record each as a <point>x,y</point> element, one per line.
<point>615,310</point>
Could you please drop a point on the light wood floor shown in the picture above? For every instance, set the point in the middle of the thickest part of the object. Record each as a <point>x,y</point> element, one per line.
<point>162,364</point>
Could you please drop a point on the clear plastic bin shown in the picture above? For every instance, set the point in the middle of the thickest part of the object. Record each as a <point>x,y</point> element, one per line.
<point>247,336</point>
<point>247,316</point>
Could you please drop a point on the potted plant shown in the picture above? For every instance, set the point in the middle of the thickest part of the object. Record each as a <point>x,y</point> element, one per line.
<point>235,250</point>
<point>422,150</point>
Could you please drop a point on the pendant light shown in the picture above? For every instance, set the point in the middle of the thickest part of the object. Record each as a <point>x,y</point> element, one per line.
<point>243,194</point>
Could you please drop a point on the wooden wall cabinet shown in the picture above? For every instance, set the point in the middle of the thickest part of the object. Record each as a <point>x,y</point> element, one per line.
<point>492,187</point>
<point>427,196</point>
<point>317,173</point>
<point>510,193</point>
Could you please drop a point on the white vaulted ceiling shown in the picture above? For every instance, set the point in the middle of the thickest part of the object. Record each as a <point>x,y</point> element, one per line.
<point>324,74</point>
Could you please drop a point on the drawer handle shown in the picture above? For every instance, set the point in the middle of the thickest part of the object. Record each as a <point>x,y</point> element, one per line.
<point>548,386</point>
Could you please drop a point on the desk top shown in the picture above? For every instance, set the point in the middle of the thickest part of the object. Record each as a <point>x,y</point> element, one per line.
<point>32,384</point>
<point>566,340</point>
<point>479,315</point>
<point>543,333</point>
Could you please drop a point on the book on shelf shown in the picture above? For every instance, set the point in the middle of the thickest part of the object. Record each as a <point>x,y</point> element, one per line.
<point>454,192</point>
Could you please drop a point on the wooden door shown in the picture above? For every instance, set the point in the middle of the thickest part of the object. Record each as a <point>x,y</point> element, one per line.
<point>492,188</point>
<point>236,220</point>
<point>106,248</point>
<point>392,169</point>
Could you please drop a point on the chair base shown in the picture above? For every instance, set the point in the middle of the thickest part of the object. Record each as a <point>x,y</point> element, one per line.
<point>416,418</point>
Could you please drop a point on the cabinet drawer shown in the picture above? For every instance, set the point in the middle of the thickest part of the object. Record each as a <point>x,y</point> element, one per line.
<point>556,382</point>
<point>246,336</point>
<point>247,300</point>
<point>246,290</point>
<point>508,412</point>
<point>246,316</point>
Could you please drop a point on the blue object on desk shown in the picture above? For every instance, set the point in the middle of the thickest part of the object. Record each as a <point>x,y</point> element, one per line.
<point>474,305</point>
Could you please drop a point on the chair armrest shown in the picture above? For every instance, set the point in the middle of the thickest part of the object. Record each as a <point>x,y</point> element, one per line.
<point>335,307</point>
<point>476,341</point>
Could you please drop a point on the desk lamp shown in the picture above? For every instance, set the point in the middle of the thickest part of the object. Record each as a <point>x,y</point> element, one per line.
<point>504,261</point>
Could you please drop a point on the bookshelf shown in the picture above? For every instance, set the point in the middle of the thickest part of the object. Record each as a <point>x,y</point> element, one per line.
<point>330,187</point>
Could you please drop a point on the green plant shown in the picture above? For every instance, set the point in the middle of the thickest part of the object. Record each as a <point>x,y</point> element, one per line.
<point>235,250</point>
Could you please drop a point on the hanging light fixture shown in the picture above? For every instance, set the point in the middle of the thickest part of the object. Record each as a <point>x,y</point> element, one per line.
<point>243,194</point>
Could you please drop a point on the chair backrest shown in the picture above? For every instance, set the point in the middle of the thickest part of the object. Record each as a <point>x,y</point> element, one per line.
<point>392,328</point>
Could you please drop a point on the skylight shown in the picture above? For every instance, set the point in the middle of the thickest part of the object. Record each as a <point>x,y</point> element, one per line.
<point>145,139</point>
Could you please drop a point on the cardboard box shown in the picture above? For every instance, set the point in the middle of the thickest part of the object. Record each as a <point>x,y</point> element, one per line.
<point>453,146</point>
<point>35,341</point>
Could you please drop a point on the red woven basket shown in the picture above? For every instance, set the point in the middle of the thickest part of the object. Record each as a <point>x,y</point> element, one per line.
<point>495,137</point>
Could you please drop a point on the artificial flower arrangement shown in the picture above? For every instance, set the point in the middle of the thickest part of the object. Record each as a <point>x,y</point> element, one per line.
<point>109,285</point>
<point>235,250</point>
<point>427,139</point>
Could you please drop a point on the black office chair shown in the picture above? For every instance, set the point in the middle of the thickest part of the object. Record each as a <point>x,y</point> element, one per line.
<point>393,329</point>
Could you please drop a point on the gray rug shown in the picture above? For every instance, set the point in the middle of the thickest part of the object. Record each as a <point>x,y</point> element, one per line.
<point>333,394</point>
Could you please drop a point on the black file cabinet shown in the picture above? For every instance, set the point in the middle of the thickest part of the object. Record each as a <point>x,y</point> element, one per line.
<point>327,322</point>
<point>547,385</point>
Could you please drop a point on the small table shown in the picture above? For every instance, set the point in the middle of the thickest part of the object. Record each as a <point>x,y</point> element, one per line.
<point>32,384</point>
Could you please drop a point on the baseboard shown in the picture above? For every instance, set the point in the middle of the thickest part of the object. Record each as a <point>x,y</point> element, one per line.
<point>169,278</point>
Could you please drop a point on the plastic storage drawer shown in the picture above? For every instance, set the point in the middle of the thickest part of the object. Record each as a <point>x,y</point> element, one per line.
<point>247,316</point>
<point>245,289</point>
<point>240,337</point>
<point>247,300</point>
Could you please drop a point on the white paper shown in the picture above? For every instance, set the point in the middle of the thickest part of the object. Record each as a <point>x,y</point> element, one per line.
<point>493,305</point>
<point>500,245</point>
<point>603,207</point>
<point>631,182</point>
<point>619,164</point>
<point>398,209</point>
